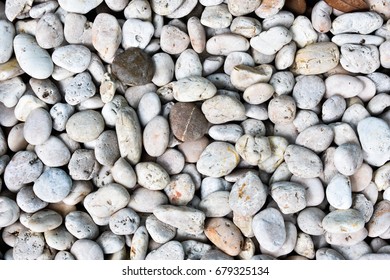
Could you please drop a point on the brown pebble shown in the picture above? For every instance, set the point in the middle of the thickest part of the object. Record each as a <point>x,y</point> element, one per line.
<point>188,123</point>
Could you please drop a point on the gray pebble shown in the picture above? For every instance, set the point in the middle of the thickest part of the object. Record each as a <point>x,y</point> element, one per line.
<point>310,220</point>
<point>353,252</point>
<point>317,137</point>
<point>86,249</point>
<point>110,242</point>
<point>11,91</point>
<point>328,254</point>
<point>83,165</point>
<point>37,127</point>
<point>159,231</point>
<point>85,126</point>
<point>79,89</point>
<point>49,31</point>
<point>59,238</point>
<point>180,190</point>
<point>216,254</point>
<point>215,204</point>
<point>28,201</point>
<point>308,91</point>
<point>172,250</point>
<point>106,148</point>
<point>151,175</point>
<point>124,222</point>
<point>29,245</point>
<point>343,221</point>
<point>53,152</point>
<point>303,162</point>
<point>269,229</point>
<point>226,132</point>
<point>15,141</point>
<point>81,225</point>
<point>123,173</point>
<point>253,149</point>
<point>346,239</point>
<point>9,211</point>
<point>290,196</point>
<point>53,185</point>
<point>172,161</point>
<point>288,246</point>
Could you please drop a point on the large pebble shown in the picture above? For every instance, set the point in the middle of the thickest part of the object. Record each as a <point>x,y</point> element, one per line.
<point>218,159</point>
<point>269,229</point>
<point>74,58</point>
<point>310,219</point>
<point>80,88</point>
<point>53,185</point>
<point>7,32</point>
<point>180,190</point>
<point>309,36</point>
<point>248,195</point>
<point>59,238</point>
<point>173,40</point>
<point>139,244</point>
<point>151,175</point>
<point>107,149</point>
<point>136,33</point>
<point>9,211</point>
<point>11,91</point>
<point>359,59</point>
<point>106,201</point>
<point>159,231</point>
<point>358,22</point>
<point>34,60</point>
<point>85,126</point>
<point>192,89</point>
<point>154,198</point>
<point>217,16</point>
<point>83,165</point>
<point>224,235</point>
<point>379,221</point>
<point>28,201</point>
<point>183,218</point>
<point>253,149</point>
<point>172,250</point>
<point>225,132</point>
<point>128,130</point>
<point>45,90</point>
<point>86,249</point>
<point>282,109</point>
<point>187,121</point>
<point>278,146</point>
<point>53,152</point>
<point>222,109</point>
<point>49,31</point>
<point>164,69</point>
<point>303,162</point>
<point>316,138</point>
<point>172,160</point>
<point>308,91</point>
<point>29,245</point>
<point>343,221</point>
<point>348,158</point>
<point>269,42</point>
<point>222,44</point>
<point>38,126</point>
<point>26,105</point>
<point>339,192</point>
<point>216,204</point>
<point>290,196</point>
<point>25,167</point>
<point>188,64</point>
<point>110,242</point>
<point>374,136</point>
<point>44,220</point>
<point>124,222</point>
<point>165,7</point>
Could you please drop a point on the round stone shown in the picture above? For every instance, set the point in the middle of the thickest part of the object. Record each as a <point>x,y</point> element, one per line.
<point>85,126</point>
<point>187,121</point>
<point>53,185</point>
<point>133,67</point>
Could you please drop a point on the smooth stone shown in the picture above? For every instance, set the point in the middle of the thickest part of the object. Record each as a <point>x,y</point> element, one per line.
<point>60,113</point>
<point>216,204</point>
<point>333,108</point>
<point>185,9</point>
<point>303,38</point>
<point>217,16</point>
<point>80,88</point>
<point>304,119</point>
<point>151,175</point>
<point>358,22</point>
<point>106,201</point>
<point>44,220</point>
<point>106,36</point>
<point>83,165</point>
<point>308,91</point>
<point>246,26</point>
<point>106,148</point>
<point>222,109</point>
<point>165,7</point>
<point>269,42</point>
<point>374,136</point>
<point>24,168</point>
<point>239,8</point>
<point>195,250</point>
<point>135,9</point>
<point>353,252</point>
<point>197,34</point>
<point>173,40</point>
<point>172,161</point>
<point>7,32</point>
<point>316,138</point>
<point>59,238</point>
<point>86,249</point>
<point>10,69</point>
<point>172,250</point>
<point>192,150</point>
<point>49,31</point>
<point>34,60</point>
<point>224,235</point>
<point>149,107</point>
<point>28,201</point>
<point>315,192</point>
<point>37,11</point>
<point>309,220</point>
<point>346,239</point>
<point>128,130</point>
<point>85,126</point>
<point>53,152</point>
<point>282,109</point>
<point>343,221</point>
<point>278,146</point>
<point>289,196</point>
<point>222,44</point>
<point>225,132</point>
<point>159,231</point>
<point>110,109</point>
<point>285,56</point>
<point>53,185</point>
<point>316,59</point>
<point>248,195</point>
<point>11,91</point>
<point>136,33</point>
<point>124,222</point>
<point>38,126</point>
<point>123,173</point>
<point>188,64</point>
<point>154,198</point>
<point>45,90</point>
<point>258,93</point>
<point>139,244</point>
<point>192,89</point>
<point>244,76</point>
<point>324,254</point>
<point>78,30</point>
<point>303,162</point>
<point>110,242</point>
<point>269,229</point>
<point>305,246</point>
<point>74,6</point>
<point>348,158</point>
<point>164,69</point>
<point>74,58</point>
<point>187,122</point>
<point>26,104</point>
<point>81,225</point>
<point>253,149</point>
<point>359,59</point>
<point>183,218</point>
<point>29,245</point>
<point>288,246</point>
<point>180,190</point>
<point>218,159</point>
<point>9,211</point>
<point>379,222</point>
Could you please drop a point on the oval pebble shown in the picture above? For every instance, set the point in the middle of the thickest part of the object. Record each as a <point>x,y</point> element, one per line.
<point>28,245</point>
<point>85,126</point>
<point>180,190</point>
<point>44,220</point>
<point>59,238</point>
<point>379,221</point>
<point>343,221</point>
<point>124,222</point>
<point>28,201</point>
<point>74,58</point>
<point>233,109</point>
<point>216,204</point>
<point>9,211</point>
<point>81,225</point>
<point>38,126</point>
<point>172,250</point>
<point>53,152</point>
<point>303,162</point>
<point>290,196</point>
<point>86,249</point>
<point>53,185</point>
<point>110,242</point>
<point>151,176</point>
<point>159,231</point>
<point>310,219</point>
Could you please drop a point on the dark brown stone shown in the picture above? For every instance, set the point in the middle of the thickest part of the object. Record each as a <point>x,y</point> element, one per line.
<point>187,121</point>
<point>133,67</point>
<point>348,5</point>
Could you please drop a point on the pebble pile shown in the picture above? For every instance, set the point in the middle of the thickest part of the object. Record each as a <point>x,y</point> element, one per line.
<point>194,129</point>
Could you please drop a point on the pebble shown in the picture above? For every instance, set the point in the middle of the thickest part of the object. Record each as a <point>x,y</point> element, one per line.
<point>49,31</point>
<point>106,148</point>
<point>188,64</point>
<point>173,40</point>
<point>74,58</point>
<point>201,89</point>
<point>86,249</point>
<point>269,42</point>
<point>303,162</point>
<point>357,22</point>
<point>215,204</point>
<point>378,223</point>
<point>302,39</point>
<point>28,201</point>
<point>79,190</point>
<point>172,250</point>
<point>106,201</point>
<point>139,244</point>
<point>53,185</point>
<point>81,8</point>
<point>308,91</point>
<point>222,44</point>
<point>217,16</point>
<point>328,254</point>
<point>225,132</point>
<point>239,8</point>
<point>282,109</point>
<point>159,231</point>
<point>46,91</point>
<point>37,127</point>
<point>9,211</point>
<point>269,229</point>
<point>25,167</point>
<point>218,159</point>
<point>343,221</point>
<point>26,104</point>
<point>353,252</point>
<point>278,146</point>
<point>248,195</point>
<point>258,93</point>
<point>29,245</point>
<point>348,158</point>
<point>269,8</point>
<point>77,29</point>
<point>53,152</point>
<point>10,69</point>
<point>245,26</point>
<point>233,110</point>
<point>34,60</point>
<point>164,69</point>
<point>310,219</point>
<point>151,175</point>
<point>187,121</point>
<point>197,34</point>
<point>139,195</point>
<point>181,217</point>
<point>290,196</point>
<point>172,161</point>
<point>7,31</point>
<point>339,192</point>
<point>288,246</point>
<point>333,108</point>
<point>253,149</point>
<point>44,220</point>
<point>59,238</point>
<point>180,190</point>
<point>124,222</point>
<point>106,36</point>
<point>11,91</point>
<point>110,242</point>
<point>359,59</point>
<point>316,137</point>
<point>136,33</point>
